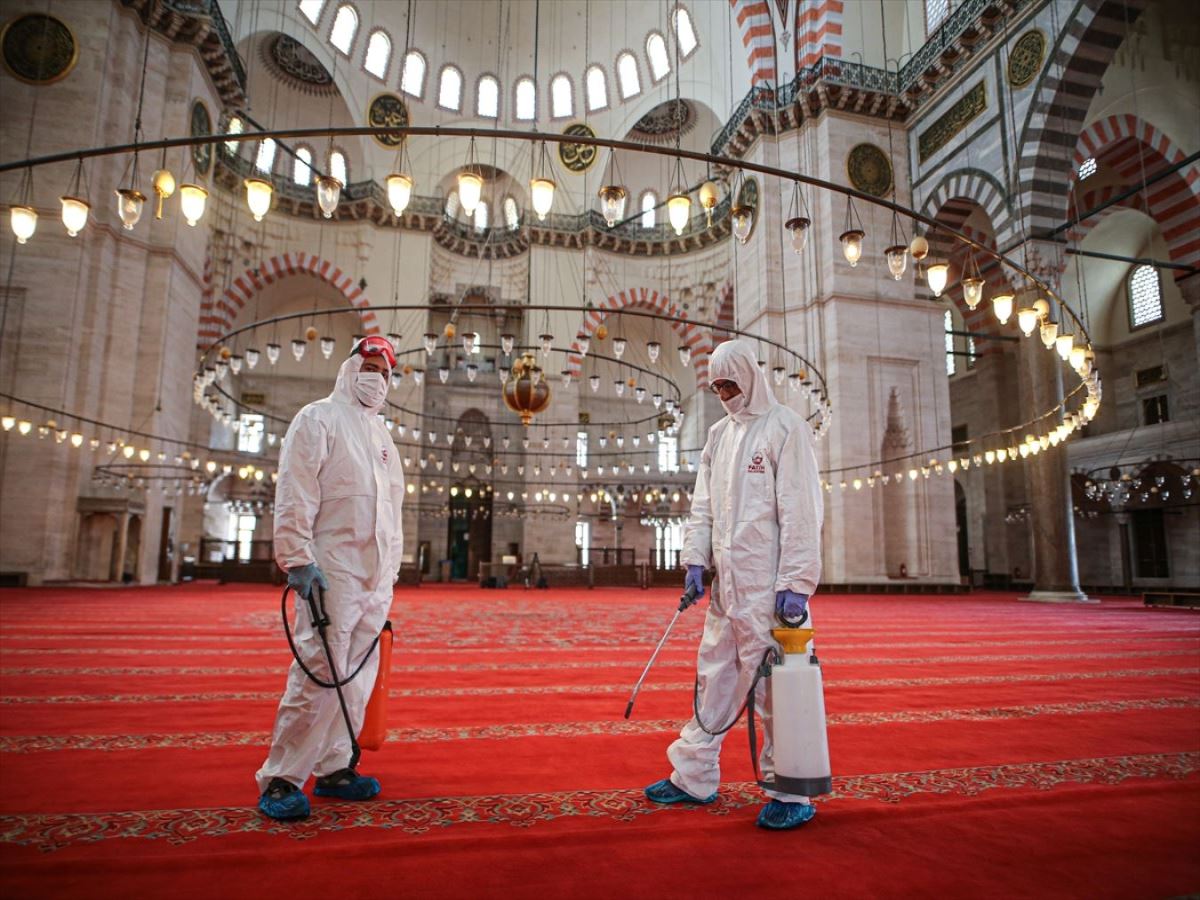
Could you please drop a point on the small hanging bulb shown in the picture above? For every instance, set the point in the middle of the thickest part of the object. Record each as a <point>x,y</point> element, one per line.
<point>1063,344</point>
<point>503,373</point>
<point>639,393</point>
<point>192,201</point>
<point>472,372</point>
<point>418,376</point>
<point>852,245</point>
<point>443,374</point>
<point>583,342</point>
<point>399,191</point>
<point>566,378</point>
<point>685,354</point>
<point>1002,306</point>
<point>258,197</point>
<point>327,345</point>
<point>594,383</point>
<point>273,353</point>
<point>612,203</point>
<point>918,247</point>
<point>742,219</point>
<point>129,206</point>
<point>936,274</point>
<point>777,373</point>
<point>657,400</point>
<point>679,210</point>
<point>972,291</point>
<point>24,222</point>
<point>618,346</point>
<point>329,192</point>
<point>1027,320</point>
<point>1049,332</point>
<point>541,194</point>
<point>470,190</point>
<point>468,341</point>
<point>708,200</point>
<point>164,187</point>
<point>547,343</point>
<point>652,350</point>
<point>235,364</point>
<point>298,348</point>
<point>430,341</point>
<point>798,227</point>
<point>74,214</point>
<point>619,387</point>
<point>897,260</point>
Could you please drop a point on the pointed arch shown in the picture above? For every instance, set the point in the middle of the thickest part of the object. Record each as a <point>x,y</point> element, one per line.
<point>219,313</point>
<point>689,334</point>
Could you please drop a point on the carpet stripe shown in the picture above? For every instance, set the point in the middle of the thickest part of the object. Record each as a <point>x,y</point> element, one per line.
<point>508,731</point>
<point>50,831</point>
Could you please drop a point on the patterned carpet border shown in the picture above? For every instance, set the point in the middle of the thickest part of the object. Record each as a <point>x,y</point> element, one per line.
<point>49,832</point>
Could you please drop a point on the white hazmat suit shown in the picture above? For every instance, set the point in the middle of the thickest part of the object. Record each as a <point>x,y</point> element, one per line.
<point>756,516</point>
<point>337,504</point>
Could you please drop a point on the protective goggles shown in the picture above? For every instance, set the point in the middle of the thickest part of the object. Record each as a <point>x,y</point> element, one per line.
<point>376,346</point>
<point>722,385</point>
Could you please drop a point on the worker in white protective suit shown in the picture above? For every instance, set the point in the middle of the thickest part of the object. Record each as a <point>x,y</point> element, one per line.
<point>337,527</point>
<point>756,517</point>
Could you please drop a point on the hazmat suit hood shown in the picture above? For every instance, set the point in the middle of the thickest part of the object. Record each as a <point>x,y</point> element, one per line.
<point>343,388</point>
<point>736,361</point>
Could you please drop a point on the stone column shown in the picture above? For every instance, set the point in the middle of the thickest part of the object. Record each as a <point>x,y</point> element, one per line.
<point>122,546</point>
<point>1047,480</point>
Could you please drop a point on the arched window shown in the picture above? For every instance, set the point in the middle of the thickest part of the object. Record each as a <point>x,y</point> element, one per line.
<point>685,34</point>
<point>345,26</point>
<point>627,76</point>
<point>512,215</point>
<point>265,159</point>
<point>596,84</point>
<point>649,209</point>
<point>311,9</point>
<point>450,89</point>
<point>487,98</point>
<point>481,216</point>
<point>562,97</point>
<point>1145,297</point>
<point>949,323</point>
<point>379,54</point>
<point>235,126</point>
<point>412,79</point>
<point>526,100</point>
<point>1087,167</point>
<point>302,166</point>
<point>452,205</point>
<point>337,167</point>
<point>936,12</point>
<point>656,52</point>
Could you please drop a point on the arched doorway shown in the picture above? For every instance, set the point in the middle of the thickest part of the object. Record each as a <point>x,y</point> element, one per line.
<point>469,528</point>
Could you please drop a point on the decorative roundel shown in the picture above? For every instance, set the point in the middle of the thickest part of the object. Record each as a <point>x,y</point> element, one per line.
<point>388,110</point>
<point>1025,60</point>
<point>869,170</point>
<point>38,49</point>
<point>577,158</point>
<point>201,127</point>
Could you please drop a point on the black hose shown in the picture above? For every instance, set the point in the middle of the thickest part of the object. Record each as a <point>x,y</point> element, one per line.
<point>296,653</point>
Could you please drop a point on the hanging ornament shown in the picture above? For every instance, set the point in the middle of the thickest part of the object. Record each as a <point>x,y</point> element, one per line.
<point>273,352</point>
<point>652,350</point>
<point>618,346</point>
<point>429,340</point>
<point>594,383</point>
<point>583,342</point>
<point>298,348</point>
<point>685,354</point>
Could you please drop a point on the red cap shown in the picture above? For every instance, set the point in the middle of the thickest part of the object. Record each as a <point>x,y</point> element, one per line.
<point>376,346</point>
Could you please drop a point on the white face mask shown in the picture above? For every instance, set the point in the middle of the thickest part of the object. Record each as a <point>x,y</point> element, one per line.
<point>735,404</point>
<point>370,388</point>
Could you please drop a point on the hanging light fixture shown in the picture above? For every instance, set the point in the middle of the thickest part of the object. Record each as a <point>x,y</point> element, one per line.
<point>594,383</point>
<point>443,373</point>
<point>1027,320</point>
<point>708,200</point>
<point>469,341</point>
<point>329,192</point>
<point>1049,332</point>
<point>192,201</point>
<point>547,341</point>
<point>258,197</point>
<point>612,203</point>
<point>164,185</point>
<point>897,254</point>
<point>972,284</point>
<point>918,247</point>
<point>1002,306</point>
<point>799,222</point>
<point>273,352</point>
<point>653,348</point>
<point>507,342</point>
<point>399,192</point>
<point>24,222</point>
<point>541,186</point>
<point>679,201</point>
<point>618,346</point>
<point>852,235</point>
<point>685,354</point>
<point>472,372</point>
<point>742,221</point>
<point>583,342</point>
<point>327,345</point>
<point>1063,344</point>
<point>937,274</point>
<point>75,208</point>
<point>251,357</point>
<point>298,348</point>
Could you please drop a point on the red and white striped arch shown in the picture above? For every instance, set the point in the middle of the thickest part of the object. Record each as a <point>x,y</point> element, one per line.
<point>218,314</point>
<point>1130,147</point>
<point>818,30</point>
<point>754,23</point>
<point>1098,197</point>
<point>689,334</point>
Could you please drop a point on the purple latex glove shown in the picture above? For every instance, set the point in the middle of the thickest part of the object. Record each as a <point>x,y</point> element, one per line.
<point>790,606</point>
<point>695,576</point>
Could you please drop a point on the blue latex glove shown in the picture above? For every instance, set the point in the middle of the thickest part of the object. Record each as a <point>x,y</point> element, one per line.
<point>302,578</point>
<point>790,606</point>
<point>695,576</point>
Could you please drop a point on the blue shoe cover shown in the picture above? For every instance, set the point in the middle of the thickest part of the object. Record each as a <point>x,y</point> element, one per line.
<point>283,800</point>
<point>665,791</point>
<point>346,784</point>
<point>780,816</point>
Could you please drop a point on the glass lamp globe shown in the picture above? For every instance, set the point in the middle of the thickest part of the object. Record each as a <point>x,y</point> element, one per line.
<point>972,291</point>
<point>852,245</point>
<point>897,260</point>
<point>742,220</point>
<point>129,206</point>
<point>399,192</point>
<point>1002,306</point>
<point>541,195</point>
<point>24,222</point>
<point>470,190</point>
<point>74,214</point>
<point>329,192</point>
<point>937,274</point>
<point>679,210</point>
<point>192,200</point>
<point>798,228</point>
<point>612,203</point>
<point>258,197</point>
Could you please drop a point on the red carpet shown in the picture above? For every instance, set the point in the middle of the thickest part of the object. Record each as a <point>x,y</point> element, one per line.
<point>981,747</point>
